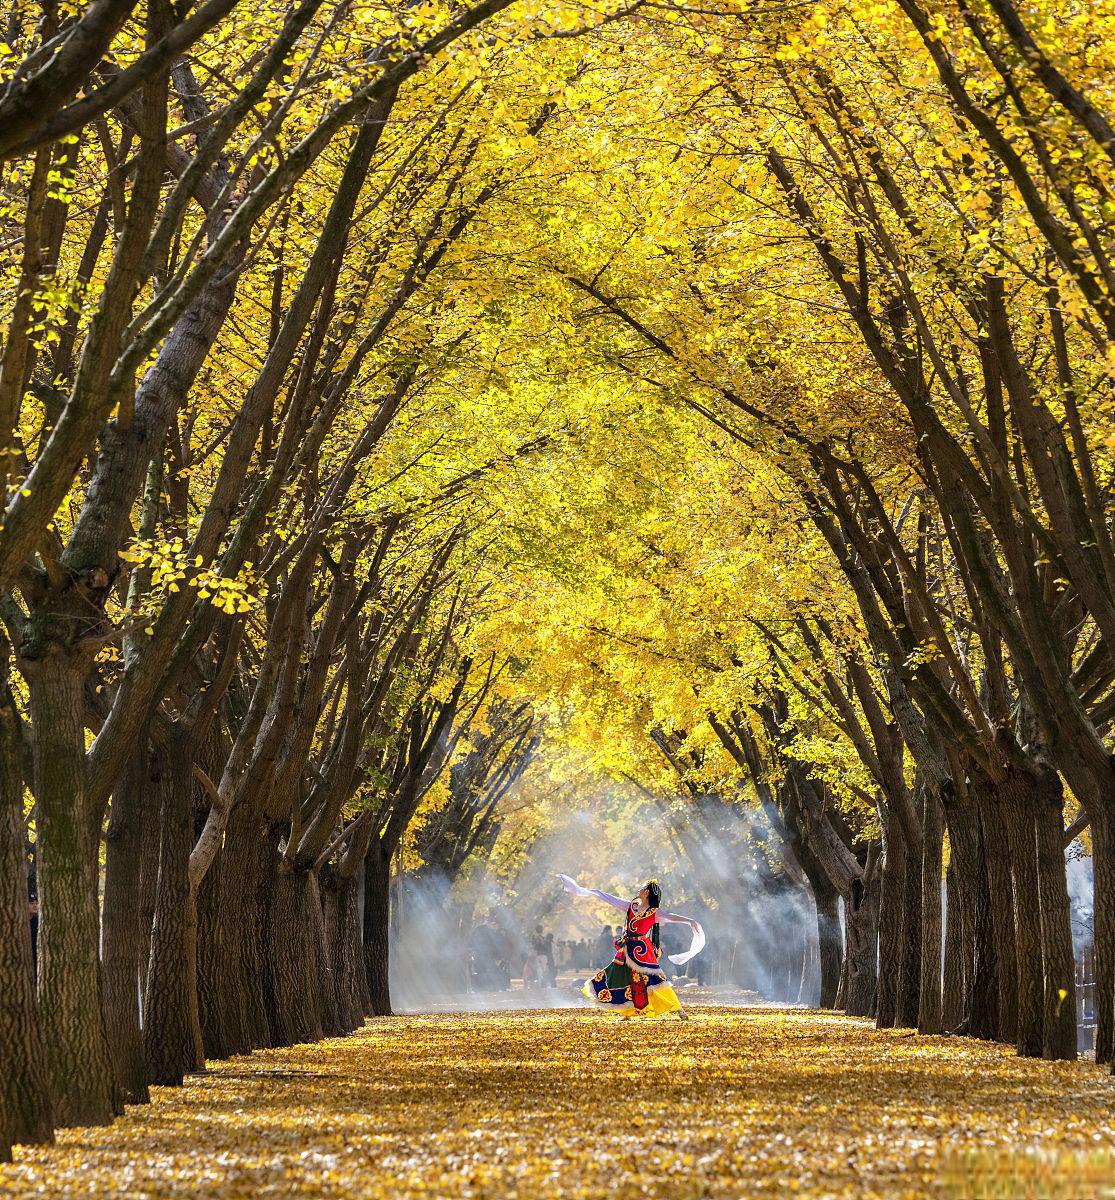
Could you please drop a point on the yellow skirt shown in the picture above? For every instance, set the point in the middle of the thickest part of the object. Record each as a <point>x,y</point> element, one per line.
<point>661,1001</point>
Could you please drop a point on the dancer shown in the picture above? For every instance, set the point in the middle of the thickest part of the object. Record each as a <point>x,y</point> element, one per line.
<point>633,983</point>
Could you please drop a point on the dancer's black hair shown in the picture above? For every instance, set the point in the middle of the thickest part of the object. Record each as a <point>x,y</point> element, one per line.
<point>654,893</point>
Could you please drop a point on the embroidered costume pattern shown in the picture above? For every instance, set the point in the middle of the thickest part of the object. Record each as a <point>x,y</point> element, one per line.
<point>633,983</point>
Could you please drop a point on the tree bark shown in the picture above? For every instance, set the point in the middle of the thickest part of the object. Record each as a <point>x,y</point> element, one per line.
<point>1103,875</point>
<point>233,962</point>
<point>171,1026</point>
<point>377,929</point>
<point>932,845</point>
<point>291,961</point>
<point>955,986</point>
<point>211,989</point>
<point>79,1065</point>
<point>1018,819</point>
<point>123,939</point>
<point>909,943</point>
<point>890,928</point>
<point>861,946</point>
<point>343,928</point>
<point>1000,892</point>
<point>1059,1040</point>
<point>25,1108</point>
<point>830,949</point>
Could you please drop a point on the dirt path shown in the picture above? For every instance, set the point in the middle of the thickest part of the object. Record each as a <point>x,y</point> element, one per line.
<point>575,1105</point>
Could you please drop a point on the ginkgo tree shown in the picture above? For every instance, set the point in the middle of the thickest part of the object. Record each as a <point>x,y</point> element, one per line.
<point>727,387</point>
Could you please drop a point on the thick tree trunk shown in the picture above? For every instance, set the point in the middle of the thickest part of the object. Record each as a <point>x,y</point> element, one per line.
<point>932,844</point>
<point>985,993</point>
<point>343,929</point>
<point>1000,891</point>
<point>909,943</point>
<point>861,948</point>
<point>148,882</point>
<point>233,962</point>
<point>211,990</point>
<point>829,947</point>
<point>377,930</point>
<point>361,968</point>
<point>967,966</point>
<point>890,928</point>
<point>954,991</point>
<point>324,985</point>
<point>1103,876</point>
<point>1018,818</point>
<point>291,961</point>
<point>1059,1040</point>
<point>79,1065</point>
<point>171,1027</point>
<point>25,1108</point>
<point>123,940</point>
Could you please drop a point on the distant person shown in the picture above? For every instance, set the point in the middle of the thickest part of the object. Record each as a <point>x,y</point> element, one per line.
<point>634,983</point>
<point>543,946</point>
<point>605,943</point>
<point>486,949</point>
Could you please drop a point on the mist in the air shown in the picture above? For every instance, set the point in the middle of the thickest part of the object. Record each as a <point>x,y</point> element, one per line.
<point>490,940</point>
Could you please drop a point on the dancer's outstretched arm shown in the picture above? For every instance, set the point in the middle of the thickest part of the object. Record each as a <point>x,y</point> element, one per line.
<point>575,889</point>
<point>668,916</point>
<point>698,943</point>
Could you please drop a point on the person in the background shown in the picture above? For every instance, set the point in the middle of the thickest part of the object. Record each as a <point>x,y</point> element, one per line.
<point>634,983</point>
<point>531,977</point>
<point>605,942</point>
<point>544,947</point>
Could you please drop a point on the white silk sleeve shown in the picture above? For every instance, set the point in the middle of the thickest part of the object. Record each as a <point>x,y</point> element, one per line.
<point>695,947</point>
<point>575,889</point>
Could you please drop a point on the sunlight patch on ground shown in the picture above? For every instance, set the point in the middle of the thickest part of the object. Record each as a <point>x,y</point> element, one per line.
<point>576,1105</point>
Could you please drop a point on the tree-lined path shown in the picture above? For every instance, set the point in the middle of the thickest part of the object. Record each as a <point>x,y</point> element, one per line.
<point>446,443</point>
<point>739,1103</point>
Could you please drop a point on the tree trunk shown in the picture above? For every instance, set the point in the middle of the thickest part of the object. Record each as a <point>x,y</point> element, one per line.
<point>982,1014</point>
<point>1017,815</point>
<point>890,928</point>
<point>1059,1041</point>
<point>377,923</point>
<point>829,947</point>
<point>324,985</point>
<point>343,928</point>
<point>909,941</point>
<point>123,941</point>
<point>233,963</point>
<point>171,1026</point>
<point>1000,891</point>
<point>79,1065</point>
<point>840,1003</point>
<point>25,1108</point>
<point>955,988</point>
<point>211,989</point>
<point>1103,876</point>
<point>291,966</point>
<point>932,843</point>
<point>148,885</point>
<point>861,947</point>
<point>361,968</point>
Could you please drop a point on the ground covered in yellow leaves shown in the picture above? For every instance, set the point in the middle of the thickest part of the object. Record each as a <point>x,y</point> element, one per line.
<point>738,1102</point>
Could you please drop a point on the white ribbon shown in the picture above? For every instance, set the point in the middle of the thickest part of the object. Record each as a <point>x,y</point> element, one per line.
<point>679,960</point>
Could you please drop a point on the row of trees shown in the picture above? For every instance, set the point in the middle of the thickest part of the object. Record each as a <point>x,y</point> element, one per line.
<point>237,544</point>
<point>740,376</point>
<point>867,248</point>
